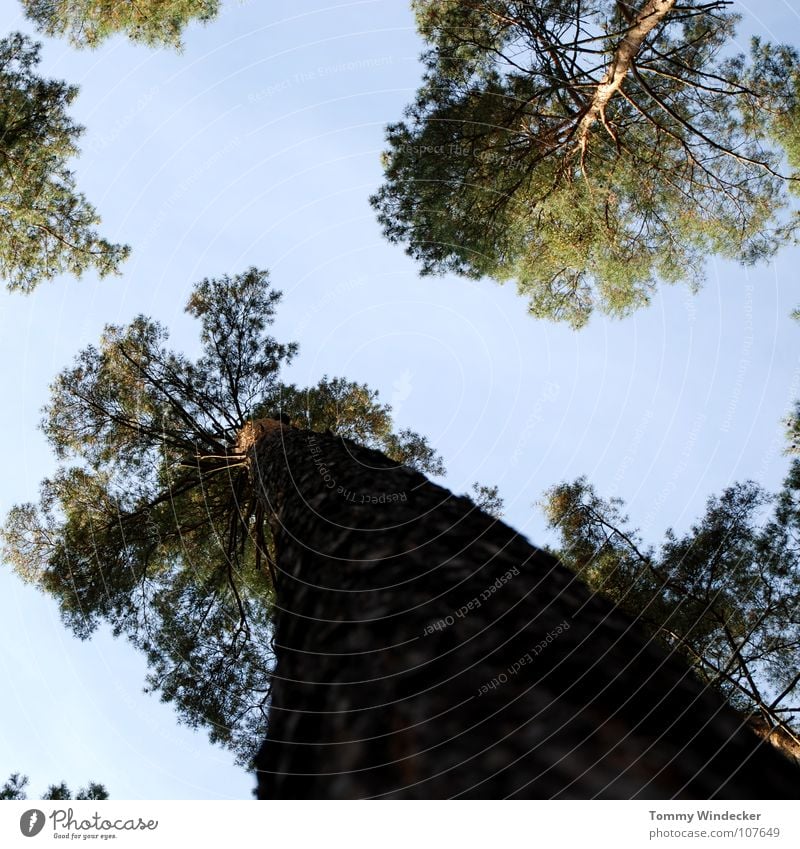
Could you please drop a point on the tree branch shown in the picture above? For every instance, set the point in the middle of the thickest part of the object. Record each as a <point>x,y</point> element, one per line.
<point>647,19</point>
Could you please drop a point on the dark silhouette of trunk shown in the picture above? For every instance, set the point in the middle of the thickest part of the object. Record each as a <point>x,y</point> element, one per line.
<point>426,650</point>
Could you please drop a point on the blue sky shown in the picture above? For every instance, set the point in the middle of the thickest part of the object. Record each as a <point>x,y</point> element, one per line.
<point>259,145</point>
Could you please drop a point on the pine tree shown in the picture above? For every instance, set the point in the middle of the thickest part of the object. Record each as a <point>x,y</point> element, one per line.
<point>47,225</point>
<point>88,22</point>
<point>14,789</point>
<point>425,649</point>
<point>589,151</point>
<point>725,595</point>
<point>150,523</point>
<point>390,638</point>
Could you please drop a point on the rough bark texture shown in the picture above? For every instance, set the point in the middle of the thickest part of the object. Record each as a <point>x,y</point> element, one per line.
<point>388,684</point>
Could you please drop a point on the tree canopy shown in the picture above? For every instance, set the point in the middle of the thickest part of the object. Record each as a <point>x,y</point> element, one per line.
<point>151,523</point>
<point>725,595</point>
<point>46,225</point>
<point>88,22</point>
<point>589,150</point>
<point>14,789</point>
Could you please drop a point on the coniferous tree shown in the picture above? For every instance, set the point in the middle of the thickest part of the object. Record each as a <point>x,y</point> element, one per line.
<point>153,527</point>
<point>88,22</point>
<point>14,789</point>
<point>425,649</point>
<point>589,150</point>
<point>725,595</point>
<point>47,226</point>
<point>399,640</point>
<point>488,498</point>
<point>61,792</point>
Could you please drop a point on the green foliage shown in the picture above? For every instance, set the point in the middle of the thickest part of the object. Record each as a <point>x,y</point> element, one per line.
<point>725,595</point>
<point>488,498</point>
<point>151,522</point>
<point>353,410</point>
<point>88,22</point>
<point>518,162</point>
<point>14,789</point>
<point>792,423</point>
<point>46,225</point>
<point>58,792</point>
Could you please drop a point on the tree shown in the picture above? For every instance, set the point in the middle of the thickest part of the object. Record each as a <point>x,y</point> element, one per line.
<point>150,523</point>
<point>400,640</point>
<point>590,150</point>
<point>792,423</point>
<point>62,792</point>
<point>725,595</point>
<point>425,649</point>
<point>47,225</point>
<point>14,789</point>
<point>88,22</point>
<point>488,499</point>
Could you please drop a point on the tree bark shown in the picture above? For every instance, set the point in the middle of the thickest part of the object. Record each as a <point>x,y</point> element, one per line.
<point>641,25</point>
<point>426,650</point>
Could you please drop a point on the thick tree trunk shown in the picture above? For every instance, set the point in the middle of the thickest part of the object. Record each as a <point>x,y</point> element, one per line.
<point>427,650</point>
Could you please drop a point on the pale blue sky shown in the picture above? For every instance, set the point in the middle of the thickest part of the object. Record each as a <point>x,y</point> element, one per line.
<point>259,145</point>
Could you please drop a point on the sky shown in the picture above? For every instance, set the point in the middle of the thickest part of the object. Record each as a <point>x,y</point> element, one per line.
<point>260,144</point>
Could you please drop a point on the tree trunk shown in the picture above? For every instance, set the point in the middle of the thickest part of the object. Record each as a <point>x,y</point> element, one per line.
<point>426,650</point>
<point>641,25</point>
